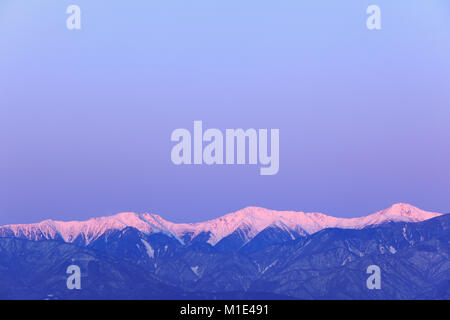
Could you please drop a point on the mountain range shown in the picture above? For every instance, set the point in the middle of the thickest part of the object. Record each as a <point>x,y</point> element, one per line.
<point>254,252</point>
<point>249,222</point>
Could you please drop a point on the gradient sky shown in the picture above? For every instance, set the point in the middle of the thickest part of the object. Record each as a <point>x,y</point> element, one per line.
<point>86,116</point>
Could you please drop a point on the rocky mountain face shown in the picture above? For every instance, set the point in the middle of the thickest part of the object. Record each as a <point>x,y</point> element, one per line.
<point>252,253</point>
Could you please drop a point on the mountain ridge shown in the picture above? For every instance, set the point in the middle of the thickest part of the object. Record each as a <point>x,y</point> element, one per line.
<point>249,221</point>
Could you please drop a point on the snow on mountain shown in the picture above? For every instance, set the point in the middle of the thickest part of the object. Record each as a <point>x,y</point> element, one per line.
<point>88,230</point>
<point>250,221</point>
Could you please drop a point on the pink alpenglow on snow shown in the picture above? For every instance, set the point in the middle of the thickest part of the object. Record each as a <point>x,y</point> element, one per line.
<point>251,221</point>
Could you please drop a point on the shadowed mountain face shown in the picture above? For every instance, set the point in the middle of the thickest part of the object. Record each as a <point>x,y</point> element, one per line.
<point>414,258</point>
<point>414,261</point>
<point>37,270</point>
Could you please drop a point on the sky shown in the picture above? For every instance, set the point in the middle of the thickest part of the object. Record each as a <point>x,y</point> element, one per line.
<point>86,115</point>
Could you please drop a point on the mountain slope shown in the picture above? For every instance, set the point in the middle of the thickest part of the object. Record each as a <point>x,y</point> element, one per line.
<point>414,259</point>
<point>37,270</point>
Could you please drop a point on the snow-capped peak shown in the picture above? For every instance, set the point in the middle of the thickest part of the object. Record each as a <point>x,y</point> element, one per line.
<point>407,210</point>
<point>399,212</point>
<point>250,221</point>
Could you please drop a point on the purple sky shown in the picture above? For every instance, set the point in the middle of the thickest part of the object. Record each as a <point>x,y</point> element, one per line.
<point>86,116</point>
